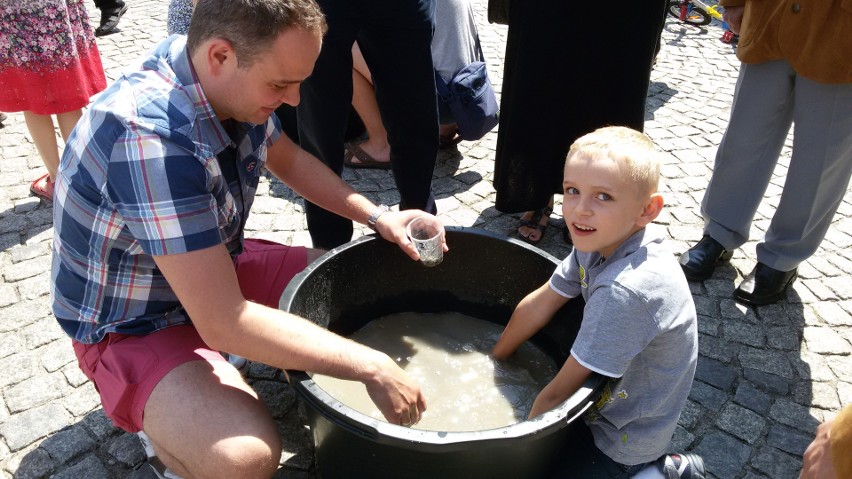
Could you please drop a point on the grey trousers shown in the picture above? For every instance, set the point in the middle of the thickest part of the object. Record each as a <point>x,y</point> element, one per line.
<point>768,98</point>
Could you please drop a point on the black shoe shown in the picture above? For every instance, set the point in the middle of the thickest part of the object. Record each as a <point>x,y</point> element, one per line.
<point>764,285</point>
<point>109,20</point>
<point>699,261</point>
<point>686,465</point>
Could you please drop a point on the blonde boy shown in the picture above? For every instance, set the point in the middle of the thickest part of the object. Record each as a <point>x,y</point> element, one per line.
<point>639,326</point>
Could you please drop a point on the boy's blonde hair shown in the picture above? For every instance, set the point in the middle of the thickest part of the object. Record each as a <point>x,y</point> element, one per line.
<point>633,151</point>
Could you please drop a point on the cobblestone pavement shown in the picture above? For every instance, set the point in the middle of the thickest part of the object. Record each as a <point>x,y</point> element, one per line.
<point>766,376</point>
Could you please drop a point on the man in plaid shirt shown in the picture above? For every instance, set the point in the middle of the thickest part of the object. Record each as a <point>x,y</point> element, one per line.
<point>151,275</point>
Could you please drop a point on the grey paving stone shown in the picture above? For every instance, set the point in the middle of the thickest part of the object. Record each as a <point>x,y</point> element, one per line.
<point>17,367</point>
<point>817,394</point>
<point>795,415</point>
<point>768,382</point>
<point>8,295</point>
<point>724,455</point>
<point>35,465</point>
<point>682,440</point>
<point>279,397</point>
<point>14,223</point>
<point>127,449</point>
<point>715,348</point>
<point>74,375</point>
<point>832,313</point>
<point>89,467</point>
<point>783,337</point>
<point>691,414</point>
<point>708,396</point>
<point>750,397</point>
<point>741,422</point>
<point>770,362</point>
<point>56,354</point>
<point>27,252</point>
<point>9,343</point>
<point>35,391</point>
<point>42,332</point>
<point>82,400</point>
<point>744,333</point>
<point>815,366</point>
<point>21,430</point>
<point>21,314</point>
<point>715,373</point>
<point>788,439</point>
<point>68,444</point>
<point>99,425</point>
<point>34,287</point>
<point>826,341</point>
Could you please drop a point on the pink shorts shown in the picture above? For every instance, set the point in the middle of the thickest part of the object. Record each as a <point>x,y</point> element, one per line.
<point>125,369</point>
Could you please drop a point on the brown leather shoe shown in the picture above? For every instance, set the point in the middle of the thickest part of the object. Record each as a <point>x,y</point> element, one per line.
<point>764,285</point>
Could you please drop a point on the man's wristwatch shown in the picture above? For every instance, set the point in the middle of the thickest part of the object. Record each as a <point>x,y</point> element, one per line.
<point>374,216</point>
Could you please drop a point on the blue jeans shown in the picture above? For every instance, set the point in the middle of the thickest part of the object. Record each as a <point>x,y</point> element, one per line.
<point>583,460</point>
<point>395,37</point>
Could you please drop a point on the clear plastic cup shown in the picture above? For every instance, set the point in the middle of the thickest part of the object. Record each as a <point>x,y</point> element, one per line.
<point>426,232</point>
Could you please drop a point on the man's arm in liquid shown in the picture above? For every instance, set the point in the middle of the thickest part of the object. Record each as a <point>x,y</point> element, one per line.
<point>532,314</point>
<point>207,287</point>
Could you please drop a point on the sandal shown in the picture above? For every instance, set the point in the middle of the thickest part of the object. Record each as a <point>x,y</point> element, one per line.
<point>353,150</point>
<point>109,20</point>
<point>449,138</point>
<point>44,192</point>
<point>536,223</point>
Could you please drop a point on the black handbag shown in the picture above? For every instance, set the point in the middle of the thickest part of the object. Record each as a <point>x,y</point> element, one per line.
<point>471,99</point>
<point>498,11</point>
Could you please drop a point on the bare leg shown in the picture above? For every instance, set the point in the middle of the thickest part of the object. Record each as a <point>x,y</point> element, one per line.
<point>44,136</point>
<point>67,121</point>
<point>204,421</point>
<point>364,101</point>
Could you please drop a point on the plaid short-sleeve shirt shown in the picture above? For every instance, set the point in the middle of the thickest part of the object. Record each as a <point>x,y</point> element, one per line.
<point>148,171</point>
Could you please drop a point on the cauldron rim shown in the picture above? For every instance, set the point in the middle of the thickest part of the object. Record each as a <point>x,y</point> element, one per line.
<point>382,431</point>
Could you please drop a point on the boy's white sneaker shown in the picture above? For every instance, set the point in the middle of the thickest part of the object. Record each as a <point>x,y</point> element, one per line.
<point>685,465</point>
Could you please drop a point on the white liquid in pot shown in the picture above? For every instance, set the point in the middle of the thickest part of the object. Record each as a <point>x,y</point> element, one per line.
<point>448,355</point>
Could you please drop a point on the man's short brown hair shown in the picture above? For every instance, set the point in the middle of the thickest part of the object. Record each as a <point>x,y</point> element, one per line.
<point>250,26</point>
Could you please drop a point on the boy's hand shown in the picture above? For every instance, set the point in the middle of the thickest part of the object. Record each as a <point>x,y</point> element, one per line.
<point>564,385</point>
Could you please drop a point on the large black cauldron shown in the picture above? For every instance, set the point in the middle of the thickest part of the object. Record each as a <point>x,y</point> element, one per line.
<point>484,276</point>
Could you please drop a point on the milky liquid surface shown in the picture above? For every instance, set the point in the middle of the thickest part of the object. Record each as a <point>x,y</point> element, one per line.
<point>448,355</point>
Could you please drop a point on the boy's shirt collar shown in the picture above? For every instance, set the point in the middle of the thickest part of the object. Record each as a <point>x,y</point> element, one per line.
<point>649,234</point>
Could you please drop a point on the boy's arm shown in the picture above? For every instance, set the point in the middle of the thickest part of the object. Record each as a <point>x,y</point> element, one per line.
<point>567,382</point>
<point>531,314</point>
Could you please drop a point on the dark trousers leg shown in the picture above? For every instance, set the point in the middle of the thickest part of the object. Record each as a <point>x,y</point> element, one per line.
<point>106,4</point>
<point>397,49</point>
<point>323,111</point>
<point>405,90</point>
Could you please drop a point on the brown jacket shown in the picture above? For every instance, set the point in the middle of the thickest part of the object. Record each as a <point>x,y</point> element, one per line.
<point>814,36</point>
<point>841,443</point>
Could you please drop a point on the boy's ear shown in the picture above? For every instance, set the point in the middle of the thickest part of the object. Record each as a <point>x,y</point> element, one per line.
<point>652,209</point>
